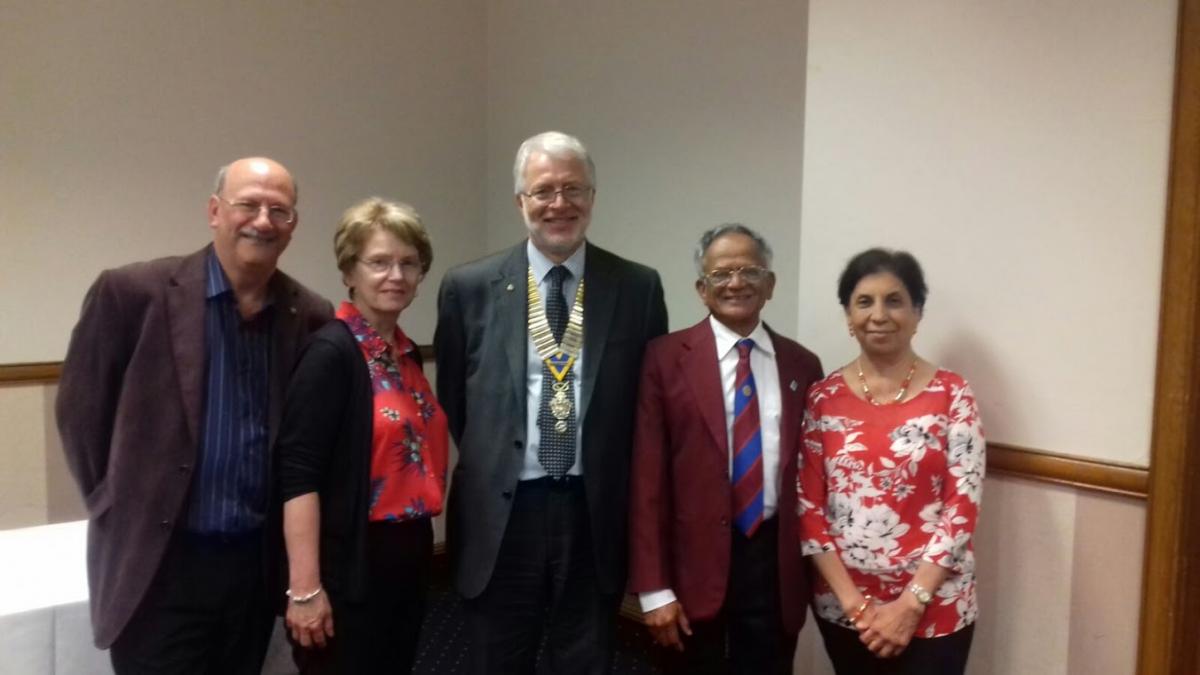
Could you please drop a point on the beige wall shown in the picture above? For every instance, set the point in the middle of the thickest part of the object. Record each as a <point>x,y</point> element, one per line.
<point>117,114</point>
<point>693,112</point>
<point>22,456</point>
<point>1019,149</point>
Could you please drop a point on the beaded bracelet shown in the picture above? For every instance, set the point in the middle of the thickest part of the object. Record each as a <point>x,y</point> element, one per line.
<point>858,612</point>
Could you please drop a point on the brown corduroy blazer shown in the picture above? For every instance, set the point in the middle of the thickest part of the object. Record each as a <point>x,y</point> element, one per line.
<point>129,411</point>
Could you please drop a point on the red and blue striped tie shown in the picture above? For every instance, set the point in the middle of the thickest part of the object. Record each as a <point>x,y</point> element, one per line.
<point>747,446</point>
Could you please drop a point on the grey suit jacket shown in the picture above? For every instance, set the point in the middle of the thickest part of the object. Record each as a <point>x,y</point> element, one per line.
<point>481,344</point>
<point>129,410</point>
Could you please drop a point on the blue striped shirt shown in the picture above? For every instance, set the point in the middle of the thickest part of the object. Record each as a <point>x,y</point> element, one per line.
<point>229,488</point>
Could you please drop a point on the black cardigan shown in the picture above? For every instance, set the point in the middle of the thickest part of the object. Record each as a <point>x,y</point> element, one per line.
<point>324,446</point>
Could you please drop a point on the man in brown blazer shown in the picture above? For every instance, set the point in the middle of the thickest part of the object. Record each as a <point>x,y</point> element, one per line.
<point>169,400</point>
<point>714,552</point>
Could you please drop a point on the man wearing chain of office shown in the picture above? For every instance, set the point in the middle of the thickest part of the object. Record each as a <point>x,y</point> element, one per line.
<point>539,349</point>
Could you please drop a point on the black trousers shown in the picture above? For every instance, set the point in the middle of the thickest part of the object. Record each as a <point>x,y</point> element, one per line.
<point>747,636</point>
<point>946,655</point>
<point>379,635</point>
<point>544,585</point>
<point>206,612</point>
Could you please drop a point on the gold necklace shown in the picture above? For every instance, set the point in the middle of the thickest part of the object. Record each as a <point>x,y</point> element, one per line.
<point>899,395</point>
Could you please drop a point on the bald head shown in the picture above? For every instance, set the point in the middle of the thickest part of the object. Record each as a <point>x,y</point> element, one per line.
<point>261,166</point>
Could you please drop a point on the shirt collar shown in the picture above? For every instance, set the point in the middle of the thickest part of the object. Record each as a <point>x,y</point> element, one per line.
<point>727,338</point>
<point>216,282</point>
<point>367,336</point>
<point>541,264</point>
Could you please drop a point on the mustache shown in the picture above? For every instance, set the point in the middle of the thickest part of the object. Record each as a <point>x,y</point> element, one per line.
<point>256,235</point>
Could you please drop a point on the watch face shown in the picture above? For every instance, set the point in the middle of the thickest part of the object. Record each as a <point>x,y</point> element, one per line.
<point>924,597</point>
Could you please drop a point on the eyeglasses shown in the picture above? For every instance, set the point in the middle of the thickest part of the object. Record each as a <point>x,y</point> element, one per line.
<point>751,274</point>
<point>278,215</point>
<point>382,266</point>
<point>573,193</point>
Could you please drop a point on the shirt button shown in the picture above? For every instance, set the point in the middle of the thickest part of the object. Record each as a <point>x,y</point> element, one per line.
<point>507,494</point>
<point>724,522</point>
<point>184,468</point>
<point>166,524</point>
<point>518,444</point>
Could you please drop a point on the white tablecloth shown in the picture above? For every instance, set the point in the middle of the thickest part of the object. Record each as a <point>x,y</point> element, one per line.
<point>45,628</point>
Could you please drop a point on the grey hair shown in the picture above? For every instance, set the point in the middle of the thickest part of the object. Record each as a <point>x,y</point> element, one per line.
<point>707,239</point>
<point>219,184</point>
<point>555,144</point>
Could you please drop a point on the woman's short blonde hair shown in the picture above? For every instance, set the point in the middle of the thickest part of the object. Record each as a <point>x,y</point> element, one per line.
<point>369,215</point>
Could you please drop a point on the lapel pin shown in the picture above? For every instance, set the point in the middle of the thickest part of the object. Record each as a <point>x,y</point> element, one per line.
<point>794,385</point>
<point>508,287</point>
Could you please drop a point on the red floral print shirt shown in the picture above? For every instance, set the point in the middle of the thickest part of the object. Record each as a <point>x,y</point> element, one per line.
<point>409,440</point>
<point>889,487</point>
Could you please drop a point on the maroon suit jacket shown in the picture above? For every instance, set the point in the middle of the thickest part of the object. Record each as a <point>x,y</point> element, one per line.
<point>129,411</point>
<point>681,498</point>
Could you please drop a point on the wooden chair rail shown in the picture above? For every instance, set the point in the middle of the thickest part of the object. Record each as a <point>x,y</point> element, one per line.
<point>1049,467</point>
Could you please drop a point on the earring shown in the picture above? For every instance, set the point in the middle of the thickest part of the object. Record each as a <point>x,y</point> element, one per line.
<point>852,332</point>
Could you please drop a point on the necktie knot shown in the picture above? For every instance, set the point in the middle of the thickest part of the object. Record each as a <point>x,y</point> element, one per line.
<point>558,274</point>
<point>744,346</point>
<point>556,305</point>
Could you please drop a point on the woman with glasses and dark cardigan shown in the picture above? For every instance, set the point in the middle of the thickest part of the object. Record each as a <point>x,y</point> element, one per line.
<point>889,490</point>
<point>362,460</point>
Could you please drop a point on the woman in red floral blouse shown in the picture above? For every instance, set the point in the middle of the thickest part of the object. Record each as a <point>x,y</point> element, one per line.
<point>362,459</point>
<point>892,471</point>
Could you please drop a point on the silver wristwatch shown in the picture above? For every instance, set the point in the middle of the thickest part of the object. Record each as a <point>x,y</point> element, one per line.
<point>923,596</point>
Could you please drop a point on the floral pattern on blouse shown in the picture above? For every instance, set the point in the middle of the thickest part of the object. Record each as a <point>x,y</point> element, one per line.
<point>409,440</point>
<point>889,487</point>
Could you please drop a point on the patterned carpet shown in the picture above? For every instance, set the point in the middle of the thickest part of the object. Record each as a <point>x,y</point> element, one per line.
<point>443,647</point>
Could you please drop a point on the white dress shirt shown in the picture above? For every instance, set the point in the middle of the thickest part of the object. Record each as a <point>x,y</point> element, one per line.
<point>532,468</point>
<point>770,410</point>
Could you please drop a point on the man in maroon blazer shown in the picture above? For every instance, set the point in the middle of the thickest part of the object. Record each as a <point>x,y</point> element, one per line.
<point>169,400</point>
<point>714,552</point>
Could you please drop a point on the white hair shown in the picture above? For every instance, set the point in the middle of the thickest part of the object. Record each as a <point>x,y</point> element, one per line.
<point>555,144</point>
<point>764,249</point>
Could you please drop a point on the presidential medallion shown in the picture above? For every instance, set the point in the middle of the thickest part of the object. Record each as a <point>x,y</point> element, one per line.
<point>560,405</point>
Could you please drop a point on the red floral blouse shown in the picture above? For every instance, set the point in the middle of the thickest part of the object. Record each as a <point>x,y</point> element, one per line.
<point>889,487</point>
<point>409,442</point>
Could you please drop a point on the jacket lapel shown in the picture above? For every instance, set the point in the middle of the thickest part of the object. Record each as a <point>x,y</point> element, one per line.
<point>511,319</point>
<point>185,320</point>
<point>698,365</point>
<point>600,294</point>
<point>791,404</point>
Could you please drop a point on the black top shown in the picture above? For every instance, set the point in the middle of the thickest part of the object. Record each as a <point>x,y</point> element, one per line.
<point>324,446</point>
